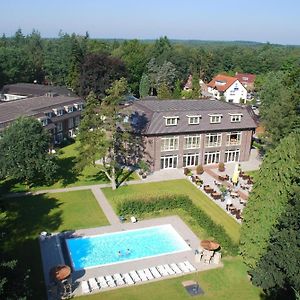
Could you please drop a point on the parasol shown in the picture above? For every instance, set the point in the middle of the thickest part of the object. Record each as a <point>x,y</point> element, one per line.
<point>60,272</point>
<point>235,176</point>
<point>209,245</point>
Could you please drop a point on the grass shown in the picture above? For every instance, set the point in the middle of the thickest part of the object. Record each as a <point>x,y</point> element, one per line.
<point>67,176</point>
<point>229,282</point>
<point>180,186</point>
<point>23,218</point>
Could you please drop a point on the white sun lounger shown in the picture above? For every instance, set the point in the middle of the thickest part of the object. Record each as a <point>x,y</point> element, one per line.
<point>110,281</point>
<point>148,274</point>
<point>93,284</point>
<point>85,287</point>
<point>190,266</point>
<point>133,219</point>
<point>183,267</point>
<point>128,280</point>
<point>135,277</point>
<point>175,268</point>
<point>118,279</point>
<point>155,273</point>
<point>102,282</point>
<point>162,271</point>
<point>142,275</point>
<point>168,269</point>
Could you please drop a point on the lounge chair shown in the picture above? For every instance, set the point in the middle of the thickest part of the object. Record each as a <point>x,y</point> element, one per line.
<point>135,277</point>
<point>93,284</point>
<point>133,219</point>
<point>183,267</point>
<point>128,280</point>
<point>85,287</point>
<point>102,282</point>
<point>175,268</point>
<point>142,275</point>
<point>162,271</point>
<point>168,269</point>
<point>110,281</point>
<point>190,266</point>
<point>148,274</point>
<point>119,281</point>
<point>155,273</point>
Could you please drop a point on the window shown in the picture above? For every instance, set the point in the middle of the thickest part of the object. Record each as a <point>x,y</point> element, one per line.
<point>69,108</point>
<point>169,143</point>
<point>190,159</point>
<point>44,121</point>
<point>70,123</point>
<point>171,121</point>
<point>233,138</point>
<point>59,127</point>
<point>232,155</point>
<point>79,106</point>
<point>213,139</point>
<point>235,118</point>
<point>59,112</point>
<point>194,120</point>
<point>192,142</point>
<point>48,114</point>
<point>215,119</point>
<point>211,157</point>
<point>169,162</point>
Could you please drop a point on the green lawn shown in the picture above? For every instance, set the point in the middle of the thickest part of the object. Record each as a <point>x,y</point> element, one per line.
<point>229,282</point>
<point>68,177</point>
<point>23,218</point>
<point>181,186</point>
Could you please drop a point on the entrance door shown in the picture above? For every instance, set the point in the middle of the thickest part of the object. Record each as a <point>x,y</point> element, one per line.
<point>169,162</point>
<point>211,158</point>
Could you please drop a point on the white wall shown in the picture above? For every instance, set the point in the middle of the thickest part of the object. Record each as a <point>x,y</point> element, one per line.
<point>236,92</point>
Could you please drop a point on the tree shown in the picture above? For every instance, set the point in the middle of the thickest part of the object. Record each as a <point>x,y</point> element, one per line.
<point>269,197</point>
<point>163,91</point>
<point>196,86</point>
<point>98,71</point>
<point>278,271</point>
<point>177,90</point>
<point>144,86</point>
<point>24,152</point>
<point>166,74</point>
<point>104,134</point>
<point>280,102</point>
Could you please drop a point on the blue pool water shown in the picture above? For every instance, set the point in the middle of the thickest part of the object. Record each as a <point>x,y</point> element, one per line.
<point>117,247</point>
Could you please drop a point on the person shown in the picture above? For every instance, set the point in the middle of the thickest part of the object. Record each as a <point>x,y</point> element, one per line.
<point>127,251</point>
<point>119,253</point>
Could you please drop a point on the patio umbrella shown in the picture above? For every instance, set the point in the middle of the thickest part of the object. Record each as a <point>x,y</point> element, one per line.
<point>60,272</point>
<point>209,245</point>
<point>235,176</point>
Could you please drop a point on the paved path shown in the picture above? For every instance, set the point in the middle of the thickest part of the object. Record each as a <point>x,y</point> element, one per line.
<point>106,207</point>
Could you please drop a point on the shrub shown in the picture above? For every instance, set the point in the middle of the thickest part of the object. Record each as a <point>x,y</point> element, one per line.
<point>150,205</point>
<point>199,170</point>
<point>186,171</point>
<point>221,167</point>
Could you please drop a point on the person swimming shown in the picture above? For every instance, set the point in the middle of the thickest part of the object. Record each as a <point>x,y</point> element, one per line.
<point>127,251</point>
<point>119,253</point>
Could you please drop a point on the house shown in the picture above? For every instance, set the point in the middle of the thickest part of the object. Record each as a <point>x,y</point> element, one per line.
<point>228,87</point>
<point>60,115</point>
<point>203,87</point>
<point>26,90</point>
<point>186,133</point>
<point>246,79</point>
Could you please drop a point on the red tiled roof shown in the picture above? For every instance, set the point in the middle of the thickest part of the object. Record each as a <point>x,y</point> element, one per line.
<point>245,78</point>
<point>222,82</point>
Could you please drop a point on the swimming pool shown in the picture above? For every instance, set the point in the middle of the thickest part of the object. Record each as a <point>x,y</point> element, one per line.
<point>117,247</point>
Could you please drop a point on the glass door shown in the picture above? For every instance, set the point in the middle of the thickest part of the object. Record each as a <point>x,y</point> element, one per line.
<point>169,162</point>
<point>211,158</point>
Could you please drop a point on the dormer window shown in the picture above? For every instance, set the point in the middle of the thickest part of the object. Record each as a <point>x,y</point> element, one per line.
<point>69,108</point>
<point>58,111</point>
<point>44,121</point>
<point>235,118</point>
<point>79,106</point>
<point>194,120</point>
<point>171,121</point>
<point>48,114</point>
<point>216,118</point>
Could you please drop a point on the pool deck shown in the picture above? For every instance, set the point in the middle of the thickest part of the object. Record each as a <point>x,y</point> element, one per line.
<point>52,254</point>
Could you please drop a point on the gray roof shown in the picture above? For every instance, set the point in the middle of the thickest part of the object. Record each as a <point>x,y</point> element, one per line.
<point>155,111</point>
<point>35,90</point>
<point>11,110</point>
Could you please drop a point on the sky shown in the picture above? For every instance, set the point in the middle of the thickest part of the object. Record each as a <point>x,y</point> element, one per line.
<point>274,21</point>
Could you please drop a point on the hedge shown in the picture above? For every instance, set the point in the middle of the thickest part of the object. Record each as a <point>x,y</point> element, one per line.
<point>138,207</point>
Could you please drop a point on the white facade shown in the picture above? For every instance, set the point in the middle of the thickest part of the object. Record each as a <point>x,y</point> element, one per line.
<point>232,94</point>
